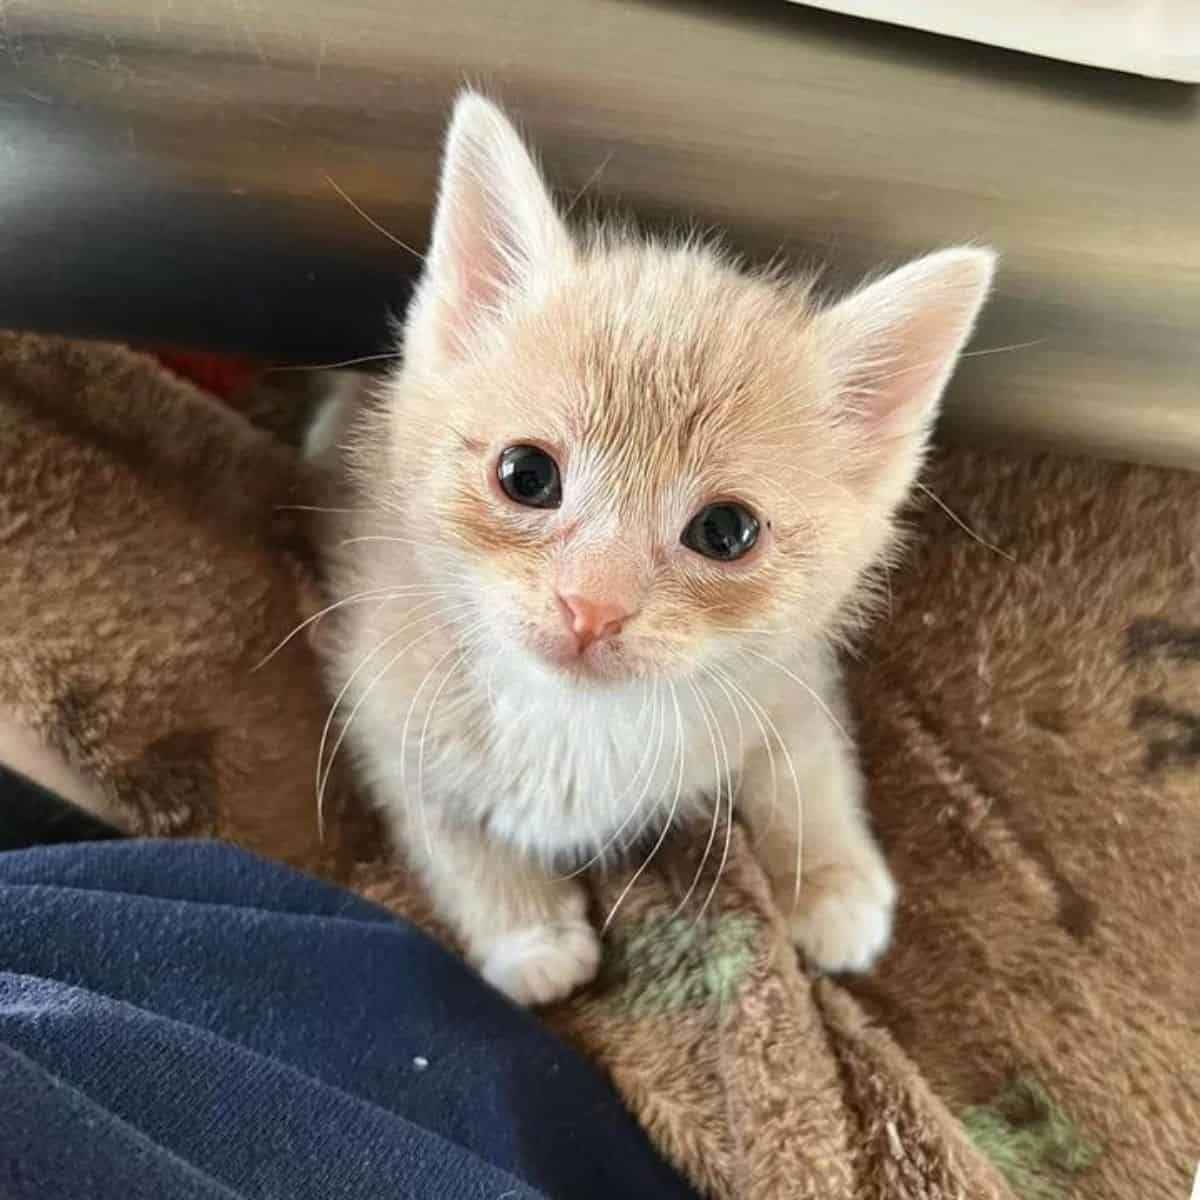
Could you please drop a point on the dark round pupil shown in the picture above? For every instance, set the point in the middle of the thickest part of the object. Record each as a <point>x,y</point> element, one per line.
<point>530,476</point>
<point>530,479</point>
<point>722,531</point>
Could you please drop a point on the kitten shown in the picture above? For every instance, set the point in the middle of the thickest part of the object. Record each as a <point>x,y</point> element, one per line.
<point>609,520</point>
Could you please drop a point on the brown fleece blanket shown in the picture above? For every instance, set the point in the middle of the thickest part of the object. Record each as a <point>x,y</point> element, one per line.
<point>1030,716</point>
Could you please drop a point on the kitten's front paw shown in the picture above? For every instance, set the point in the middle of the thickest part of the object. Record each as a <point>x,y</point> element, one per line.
<point>845,918</point>
<point>543,963</point>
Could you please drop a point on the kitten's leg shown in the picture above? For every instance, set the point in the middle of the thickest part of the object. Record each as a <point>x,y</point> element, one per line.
<point>527,933</point>
<point>842,915</point>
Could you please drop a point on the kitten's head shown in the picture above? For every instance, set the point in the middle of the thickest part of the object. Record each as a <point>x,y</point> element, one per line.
<point>635,458</point>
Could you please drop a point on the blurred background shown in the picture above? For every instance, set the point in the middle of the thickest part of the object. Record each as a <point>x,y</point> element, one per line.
<point>212,172</point>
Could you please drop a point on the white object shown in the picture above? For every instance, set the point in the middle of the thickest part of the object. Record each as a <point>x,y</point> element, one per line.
<point>1159,38</point>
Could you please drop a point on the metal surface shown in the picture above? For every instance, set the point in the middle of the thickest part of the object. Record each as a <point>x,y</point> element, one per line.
<point>166,168</point>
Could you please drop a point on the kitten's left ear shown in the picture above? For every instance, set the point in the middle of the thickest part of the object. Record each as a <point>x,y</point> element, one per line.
<point>496,235</point>
<point>893,346</point>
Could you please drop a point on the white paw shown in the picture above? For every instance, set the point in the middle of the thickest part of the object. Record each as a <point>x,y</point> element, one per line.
<point>845,922</point>
<point>542,963</point>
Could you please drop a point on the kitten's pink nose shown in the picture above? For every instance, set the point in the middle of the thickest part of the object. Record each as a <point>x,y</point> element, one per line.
<point>591,620</point>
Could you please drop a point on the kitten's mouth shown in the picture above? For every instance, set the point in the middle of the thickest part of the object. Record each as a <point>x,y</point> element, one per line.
<point>600,662</point>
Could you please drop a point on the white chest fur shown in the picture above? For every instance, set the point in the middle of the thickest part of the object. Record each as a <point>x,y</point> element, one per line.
<point>552,770</point>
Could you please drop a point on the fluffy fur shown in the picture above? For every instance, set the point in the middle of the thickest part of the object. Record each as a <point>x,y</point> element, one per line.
<point>661,378</point>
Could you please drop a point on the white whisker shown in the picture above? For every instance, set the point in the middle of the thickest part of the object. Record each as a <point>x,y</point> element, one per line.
<point>964,526</point>
<point>458,662</point>
<point>662,837</point>
<point>709,725</point>
<point>334,366</point>
<point>384,593</point>
<point>323,776</point>
<point>370,220</point>
<point>317,508</point>
<point>489,689</point>
<point>1003,349</point>
<point>587,183</point>
<point>731,692</point>
<point>660,722</point>
<point>762,715</point>
<point>816,699</point>
<point>729,816</point>
<point>408,722</point>
<point>379,537</point>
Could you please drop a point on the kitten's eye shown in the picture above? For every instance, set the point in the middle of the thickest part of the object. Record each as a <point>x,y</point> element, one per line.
<point>530,477</point>
<point>722,531</point>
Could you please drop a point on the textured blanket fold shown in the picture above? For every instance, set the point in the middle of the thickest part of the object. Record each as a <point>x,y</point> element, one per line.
<point>1029,716</point>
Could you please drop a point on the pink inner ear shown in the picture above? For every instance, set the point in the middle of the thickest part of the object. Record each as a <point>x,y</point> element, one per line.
<point>895,343</point>
<point>478,284</point>
<point>908,381</point>
<point>892,348</point>
<point>495,232</point>
<point>466,261</point>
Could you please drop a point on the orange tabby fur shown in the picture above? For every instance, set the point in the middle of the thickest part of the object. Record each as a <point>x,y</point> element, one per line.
<point>660,378</point>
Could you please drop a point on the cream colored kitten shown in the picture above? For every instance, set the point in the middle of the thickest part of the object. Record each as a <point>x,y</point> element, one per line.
<point>607,522</point>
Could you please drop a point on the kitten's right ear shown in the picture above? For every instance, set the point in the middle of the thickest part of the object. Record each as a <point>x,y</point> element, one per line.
<point>496,234</point>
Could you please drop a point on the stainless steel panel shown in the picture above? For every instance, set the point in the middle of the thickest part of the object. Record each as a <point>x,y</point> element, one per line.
<point>166,168</point>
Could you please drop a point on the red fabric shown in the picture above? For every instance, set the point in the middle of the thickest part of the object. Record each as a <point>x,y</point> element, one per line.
<point>222,374</point>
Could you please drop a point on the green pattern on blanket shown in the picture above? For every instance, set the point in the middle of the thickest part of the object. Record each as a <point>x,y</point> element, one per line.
<point>1030,1138</point>
<point>669,964</point>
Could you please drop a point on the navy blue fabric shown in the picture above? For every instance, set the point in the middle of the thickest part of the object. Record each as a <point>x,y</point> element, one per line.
<point>183,1019</point>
